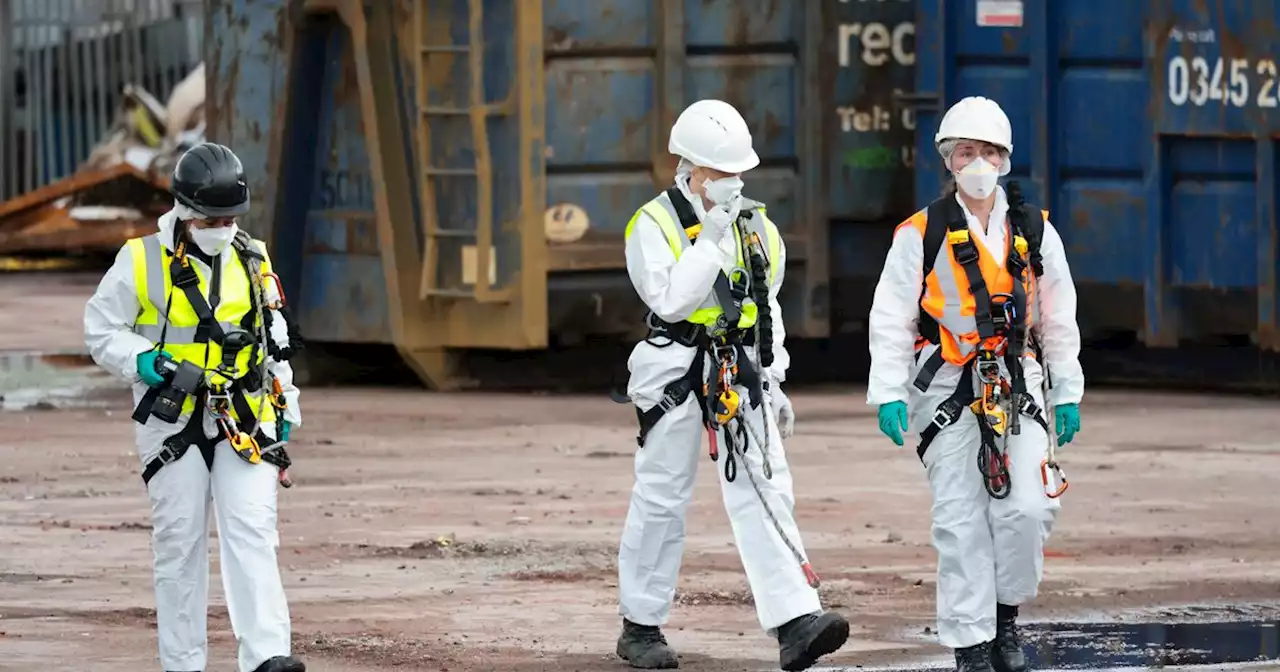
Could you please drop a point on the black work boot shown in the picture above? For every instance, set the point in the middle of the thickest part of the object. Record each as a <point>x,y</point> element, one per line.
<point>976,658</point>
<point>645,648</point>
<point>1006,651</point>
<point>282,664</point>
<point>803,640</point>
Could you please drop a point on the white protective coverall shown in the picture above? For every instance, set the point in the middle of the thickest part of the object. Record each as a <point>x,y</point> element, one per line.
<point>243,495</point>
<point>666,467</point>
<point>989,550</point>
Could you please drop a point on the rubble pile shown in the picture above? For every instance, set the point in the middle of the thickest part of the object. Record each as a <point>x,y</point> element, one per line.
<point>120,189</point>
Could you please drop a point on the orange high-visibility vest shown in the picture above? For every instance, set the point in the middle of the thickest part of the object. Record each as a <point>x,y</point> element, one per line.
<point>948,299</point>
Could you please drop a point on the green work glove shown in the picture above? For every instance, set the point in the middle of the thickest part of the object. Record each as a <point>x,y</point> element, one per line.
<point>147,368</point>
<point>893,420</point>
<point>1066,418</point>
<point>284,429</point>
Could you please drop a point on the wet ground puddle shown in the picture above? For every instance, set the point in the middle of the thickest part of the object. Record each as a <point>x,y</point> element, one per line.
<point>1134,646</point>
<point>1100,646</point>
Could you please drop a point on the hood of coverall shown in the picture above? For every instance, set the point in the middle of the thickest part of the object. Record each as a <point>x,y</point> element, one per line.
<point>177,217</point>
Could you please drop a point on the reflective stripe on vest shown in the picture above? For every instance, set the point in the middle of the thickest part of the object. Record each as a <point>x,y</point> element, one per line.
<point>664,213</point>
<point>155,290</point>
<point>948,299</point>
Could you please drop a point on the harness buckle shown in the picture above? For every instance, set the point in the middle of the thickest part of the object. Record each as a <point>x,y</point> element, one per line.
<point>670,399</point>
<point>966,253</point>
<point>1004,313</point>
<point>987,367</point>
<point>739,282</point>
<point>168,454</point>
<point>946,414</point>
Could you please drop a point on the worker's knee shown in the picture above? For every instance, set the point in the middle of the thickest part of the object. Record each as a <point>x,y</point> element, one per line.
<point>959,527</point>
<point>1030,514</point>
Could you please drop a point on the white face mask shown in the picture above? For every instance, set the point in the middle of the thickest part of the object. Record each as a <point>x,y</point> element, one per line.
<point>978,179</point>
<point>724,190</point>
<point>213,241</point>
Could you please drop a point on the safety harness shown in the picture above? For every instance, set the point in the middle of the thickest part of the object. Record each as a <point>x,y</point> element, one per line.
<point>727,345</point>
<point>1001,319</point>
<point>220,392</point>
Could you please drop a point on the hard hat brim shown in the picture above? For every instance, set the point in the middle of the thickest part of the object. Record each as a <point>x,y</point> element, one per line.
<point>735,167</point>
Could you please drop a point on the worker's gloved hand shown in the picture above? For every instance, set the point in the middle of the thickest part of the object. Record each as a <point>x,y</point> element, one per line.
<point>783,414</point>
<point>716,224</point>
<point>893,420</point>
<point>285,427</point>
<point>1066,419</point>
<point>147,369</point>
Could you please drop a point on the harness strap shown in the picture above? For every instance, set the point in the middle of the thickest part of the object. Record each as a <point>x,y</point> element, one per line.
<point>184,278</point>
<point>948,412</point>
<point>729,297</point>
<point>244,410</point>
<point>930,369</point>
<point>674,395</point>
<point>966,254</point>
<point>177,445</point>
<point>143,410</point>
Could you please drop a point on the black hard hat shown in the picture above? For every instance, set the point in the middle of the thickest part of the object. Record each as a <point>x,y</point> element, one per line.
<point>210,180</point>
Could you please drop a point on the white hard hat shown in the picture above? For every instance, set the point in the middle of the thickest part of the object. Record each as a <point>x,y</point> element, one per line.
<point>975,118</point>
<point>711,134</point>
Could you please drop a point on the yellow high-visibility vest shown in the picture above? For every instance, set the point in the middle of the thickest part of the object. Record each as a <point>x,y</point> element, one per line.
<point>159,299</point>
<point>663,211</point>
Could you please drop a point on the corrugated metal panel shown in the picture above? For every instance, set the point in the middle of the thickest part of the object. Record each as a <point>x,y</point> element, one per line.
<point>618,74</point>
<point>1147,130</point>
<point>63,68</point>
<point>868,57</point>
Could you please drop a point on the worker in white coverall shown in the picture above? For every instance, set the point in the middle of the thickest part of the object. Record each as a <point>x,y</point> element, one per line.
<point>974,304</point>
<point>697,254</point>
<point>193,317</point>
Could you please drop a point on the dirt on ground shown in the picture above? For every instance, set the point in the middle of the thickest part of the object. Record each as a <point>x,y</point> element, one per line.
<point>479,532</point>
<point>45,311</point>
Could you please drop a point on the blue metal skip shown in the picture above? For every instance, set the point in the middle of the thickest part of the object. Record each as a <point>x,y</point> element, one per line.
<point>1144,127</point>
<point>1147,129</point>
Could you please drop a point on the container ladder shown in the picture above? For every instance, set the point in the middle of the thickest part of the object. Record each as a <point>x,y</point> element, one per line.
<point>478,112</point>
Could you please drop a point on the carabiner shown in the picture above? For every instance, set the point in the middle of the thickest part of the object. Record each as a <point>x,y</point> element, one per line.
<point>1051,491</point>
<point>279,289</point>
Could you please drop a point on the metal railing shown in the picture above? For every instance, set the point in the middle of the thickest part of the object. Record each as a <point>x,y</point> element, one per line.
<point>63,68</point>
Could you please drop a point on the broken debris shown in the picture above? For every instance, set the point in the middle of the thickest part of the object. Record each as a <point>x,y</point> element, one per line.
<point>121,189</point>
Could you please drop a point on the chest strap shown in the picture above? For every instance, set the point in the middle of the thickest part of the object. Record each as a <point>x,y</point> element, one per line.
<point>998,315</point>
<point>728,294</point>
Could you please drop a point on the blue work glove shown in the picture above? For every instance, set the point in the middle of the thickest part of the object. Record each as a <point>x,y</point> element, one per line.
<point>284,429</point>
<point>1066,418</point>
<point>893,420</point>
<point>147,368</point>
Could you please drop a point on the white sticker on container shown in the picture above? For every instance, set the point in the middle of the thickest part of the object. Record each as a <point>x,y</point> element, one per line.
<point>1000,13</point>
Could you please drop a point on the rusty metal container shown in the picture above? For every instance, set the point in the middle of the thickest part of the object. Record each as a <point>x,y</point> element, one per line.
<point>454,174</point>
<point>1148,129</point>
